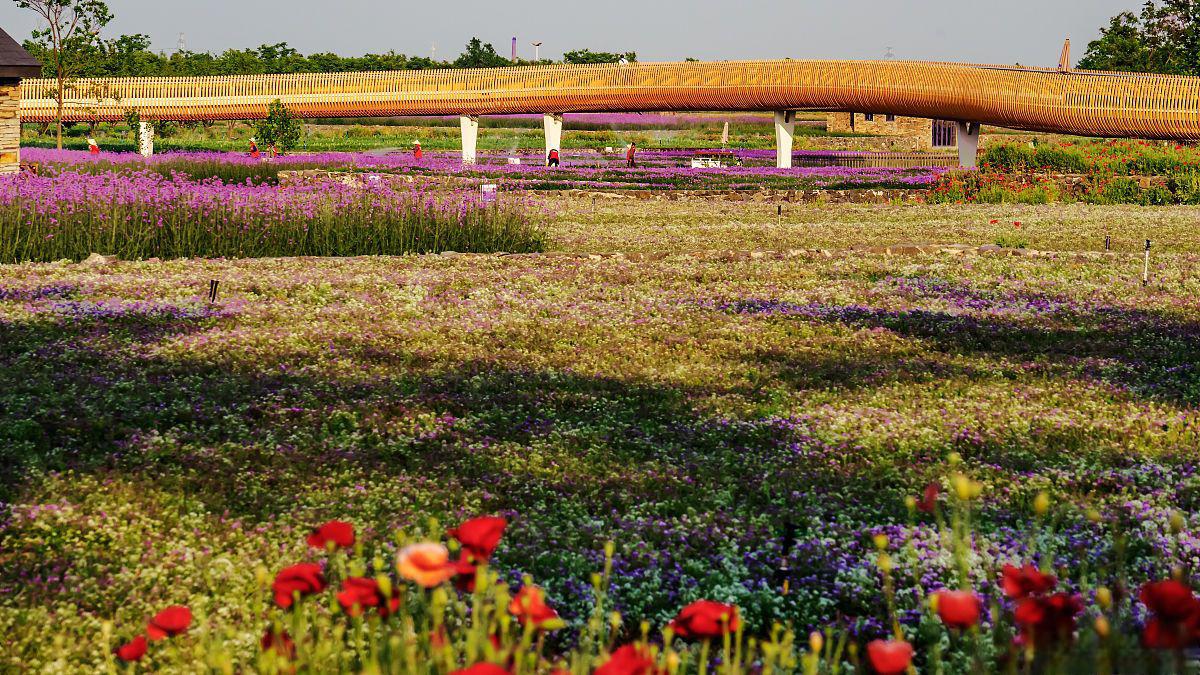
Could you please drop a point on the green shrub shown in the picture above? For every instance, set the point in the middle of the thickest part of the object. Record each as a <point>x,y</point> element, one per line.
<point>1058,158</point>
<point>1186,187</point>
<point>1008,157</point>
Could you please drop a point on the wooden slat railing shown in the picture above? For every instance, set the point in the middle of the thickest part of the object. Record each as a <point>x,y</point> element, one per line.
<point>1074,102</point>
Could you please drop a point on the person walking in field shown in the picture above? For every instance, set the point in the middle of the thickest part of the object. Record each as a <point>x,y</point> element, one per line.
<point>93,148</point>
<point>630,154</point>
<point>553,159</point>
<point>417,152</point>
<point>254,148</point>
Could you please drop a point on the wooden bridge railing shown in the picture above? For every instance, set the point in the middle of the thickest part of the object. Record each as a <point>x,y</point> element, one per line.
<point>1073,102</point>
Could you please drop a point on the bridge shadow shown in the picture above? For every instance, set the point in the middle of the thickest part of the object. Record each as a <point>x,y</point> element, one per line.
<point>575,460</point>
<point>1146,354</point>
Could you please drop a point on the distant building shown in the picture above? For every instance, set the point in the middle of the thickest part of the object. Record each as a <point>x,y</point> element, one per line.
<point>15,64</point>
<point>925,133</point>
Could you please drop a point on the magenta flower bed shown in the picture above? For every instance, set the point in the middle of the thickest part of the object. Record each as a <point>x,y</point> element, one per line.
<point>657,169</point>
<point>141,214</point>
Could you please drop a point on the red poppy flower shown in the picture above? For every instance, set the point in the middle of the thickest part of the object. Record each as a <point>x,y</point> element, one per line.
<point>994,221</point>
<point>958,609</point>
<point>928,501</point>
<point>464,574</point>
<point>1048,621</point>
<point>705,620</point>
<point>339,533</point>
<point>529,604</point>
<point>1022,582</point>
<point>428,564</point>
<point>482,669</point>
<point>1169,600</point>
<point>305,579</point>
<point>480,536</point>
<point>889,657</point>
<point>281,643</point>
<point>1176,621</point>
<point>628,660</point>
<point>133,650</point>
<point>170,622</point>
<point>359,594</point>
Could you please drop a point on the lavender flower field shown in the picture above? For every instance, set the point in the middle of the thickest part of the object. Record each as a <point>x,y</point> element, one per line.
<point>657,170</point>
<point>838,450</point>
<point>140,214</point>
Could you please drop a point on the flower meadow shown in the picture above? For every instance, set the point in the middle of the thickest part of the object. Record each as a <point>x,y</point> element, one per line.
<point>142,214</point>
<point>976,463</point>
<point>656,170</point>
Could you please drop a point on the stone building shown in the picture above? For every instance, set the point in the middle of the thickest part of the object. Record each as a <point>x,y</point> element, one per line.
<point>15,64</point>
<point>917,132</point>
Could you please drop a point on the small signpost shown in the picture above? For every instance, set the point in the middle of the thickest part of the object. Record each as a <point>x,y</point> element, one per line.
<point>1146,266</point>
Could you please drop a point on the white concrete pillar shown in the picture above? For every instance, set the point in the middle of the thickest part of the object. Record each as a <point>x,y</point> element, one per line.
<point>145,139</point>
<point>968,144</point>
<point>553,124</point>
<point>785,132</point>
<point>470,137</point>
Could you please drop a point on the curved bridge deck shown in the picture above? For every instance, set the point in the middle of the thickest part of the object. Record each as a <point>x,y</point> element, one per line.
<point>1071,102</point>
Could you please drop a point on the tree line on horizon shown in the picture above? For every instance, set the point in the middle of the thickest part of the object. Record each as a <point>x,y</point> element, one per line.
<point>131,56</point>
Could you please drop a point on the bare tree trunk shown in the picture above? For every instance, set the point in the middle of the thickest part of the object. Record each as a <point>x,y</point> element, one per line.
<point>61,94</point>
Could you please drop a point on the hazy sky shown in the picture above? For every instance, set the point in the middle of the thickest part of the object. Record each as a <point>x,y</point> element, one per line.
<point>992,31</point>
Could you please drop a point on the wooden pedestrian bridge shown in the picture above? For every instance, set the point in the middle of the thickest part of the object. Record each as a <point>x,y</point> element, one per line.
<point>1085,103</point>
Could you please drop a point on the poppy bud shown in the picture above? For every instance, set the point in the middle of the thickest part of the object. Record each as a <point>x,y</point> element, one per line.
<point>1104,598</point>
<point>816,642</point>
<point>1177,522</point>
<point>881,541</point>
<point>1041,503</point>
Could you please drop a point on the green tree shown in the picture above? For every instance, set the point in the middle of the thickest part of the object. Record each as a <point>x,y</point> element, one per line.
<point>589,56</point>
<point>1121,46</point>
<point>480,54</point>
<point>1163,38</point>
<point>72,28</point>
<point>280,128</point>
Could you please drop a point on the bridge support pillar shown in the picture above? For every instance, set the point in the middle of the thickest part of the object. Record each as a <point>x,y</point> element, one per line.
<point>553,124</point>
<point>470,137</point>
<point>785,131</point>
<point>145,139</point>
<point>968,144</point>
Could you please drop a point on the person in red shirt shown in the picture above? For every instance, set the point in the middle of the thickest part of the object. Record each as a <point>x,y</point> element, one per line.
<point>254,148</point>
<point>553,160</point>
<point>417,152</point>
<point>92,146</point>
<point>629,155</point>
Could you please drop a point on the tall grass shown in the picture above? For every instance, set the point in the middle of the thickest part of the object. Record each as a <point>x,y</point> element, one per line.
<point>144,215</point>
